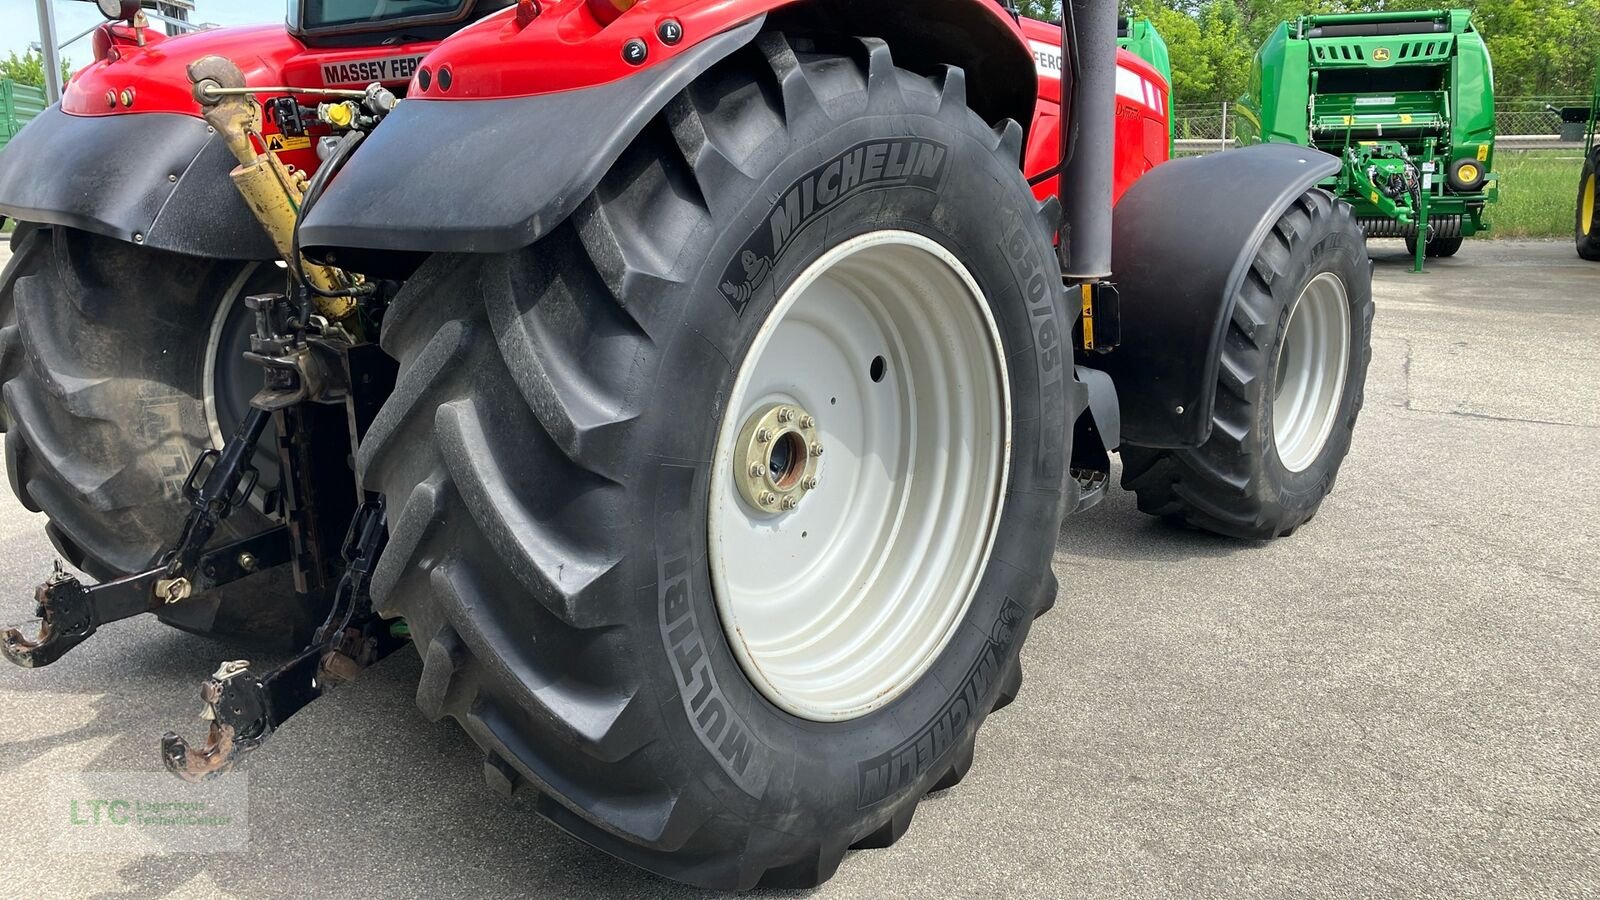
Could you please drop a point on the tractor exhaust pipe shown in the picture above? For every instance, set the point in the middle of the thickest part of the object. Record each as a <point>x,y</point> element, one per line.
<point>1089,48</point>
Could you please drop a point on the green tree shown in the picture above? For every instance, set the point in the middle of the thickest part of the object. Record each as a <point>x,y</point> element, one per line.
<point>29,69</point>
<point>1540,47</point>
<point>1043,10</point>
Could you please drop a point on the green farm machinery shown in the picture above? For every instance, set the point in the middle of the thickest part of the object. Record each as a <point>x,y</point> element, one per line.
<point>1405,99</point>
<point>1587,229</point>
<point>1140,37</point>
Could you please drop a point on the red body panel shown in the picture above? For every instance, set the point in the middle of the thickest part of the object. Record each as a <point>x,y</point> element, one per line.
<point>157,73</point>
<point>268,55</point>
<point>489,59</point>
<point>1142,115</point>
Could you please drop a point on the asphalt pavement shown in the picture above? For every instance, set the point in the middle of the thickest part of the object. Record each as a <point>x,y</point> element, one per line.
<point>1401,700</point>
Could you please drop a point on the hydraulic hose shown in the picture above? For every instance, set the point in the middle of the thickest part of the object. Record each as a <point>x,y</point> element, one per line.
<point>341,154</point>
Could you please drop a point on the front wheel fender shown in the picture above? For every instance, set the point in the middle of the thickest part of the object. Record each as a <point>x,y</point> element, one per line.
<point>1183,240</point>
<point>159,180</point>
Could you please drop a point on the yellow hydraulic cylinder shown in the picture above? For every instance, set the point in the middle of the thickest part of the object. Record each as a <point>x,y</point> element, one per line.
<point>272,192</point>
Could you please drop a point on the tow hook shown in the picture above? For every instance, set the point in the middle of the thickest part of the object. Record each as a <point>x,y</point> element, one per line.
<point>243,708</point>
<point>66,619</point>
<point>69,612</point>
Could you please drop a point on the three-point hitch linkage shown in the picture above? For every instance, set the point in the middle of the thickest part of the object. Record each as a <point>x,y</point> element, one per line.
<point>322,386</point>
<point>312,376</point>
<point>71,613</point>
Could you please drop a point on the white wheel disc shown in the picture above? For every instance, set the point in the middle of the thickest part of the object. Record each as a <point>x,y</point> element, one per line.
<point>836,598</point>
<point>1313,362</point>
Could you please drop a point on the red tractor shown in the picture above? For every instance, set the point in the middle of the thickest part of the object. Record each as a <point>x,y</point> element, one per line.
<point>699,387</point>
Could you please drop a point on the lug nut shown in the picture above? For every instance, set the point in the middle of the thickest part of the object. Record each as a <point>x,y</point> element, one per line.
<point>769,498</point>
<point>785,415</point>
<point>807,422</point>
<point>764,436</point>
<point>816,449</point>
<point>755,470</point>
<point>789,503</point>
<point>812,483</point>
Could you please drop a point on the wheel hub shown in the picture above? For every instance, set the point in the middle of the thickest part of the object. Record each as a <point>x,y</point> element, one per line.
<point>780,452</point>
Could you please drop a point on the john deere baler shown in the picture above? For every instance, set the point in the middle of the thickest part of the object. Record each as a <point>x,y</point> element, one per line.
<point>1406,99</point>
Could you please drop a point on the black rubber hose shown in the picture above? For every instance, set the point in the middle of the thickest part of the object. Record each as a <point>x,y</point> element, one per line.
<point>341,154</point>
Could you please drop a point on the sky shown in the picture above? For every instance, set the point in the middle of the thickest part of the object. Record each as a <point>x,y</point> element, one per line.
<point>19,21</point>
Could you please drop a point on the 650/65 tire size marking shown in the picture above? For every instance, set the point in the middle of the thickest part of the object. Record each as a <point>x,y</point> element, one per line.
<point>1040,288</point>
<point>725,735</point>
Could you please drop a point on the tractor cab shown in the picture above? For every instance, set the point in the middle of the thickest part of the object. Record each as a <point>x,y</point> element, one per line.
<point>366,22</point>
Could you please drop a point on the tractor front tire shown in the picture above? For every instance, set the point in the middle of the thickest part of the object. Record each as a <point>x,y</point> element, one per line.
<point>103,357</point>
<point>1294,366</point>
<point>1588,212</point>
<point>569,544</point>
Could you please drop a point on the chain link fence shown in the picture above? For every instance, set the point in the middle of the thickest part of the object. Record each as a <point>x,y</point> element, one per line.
<point>1202,123</point>
<point>1201,128</point>
<point>1534,115</point>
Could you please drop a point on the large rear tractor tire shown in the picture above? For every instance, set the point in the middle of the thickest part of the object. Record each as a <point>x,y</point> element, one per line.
<point>1293,371</point>
<point>104,357</point>
<point>1588,218</point>
<point>606,537</point>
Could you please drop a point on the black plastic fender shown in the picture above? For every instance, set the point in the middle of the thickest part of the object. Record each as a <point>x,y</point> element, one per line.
<point>1104,407</point>
<point>155,179</point>
<point>1184,237</point>
<point>492,176</point>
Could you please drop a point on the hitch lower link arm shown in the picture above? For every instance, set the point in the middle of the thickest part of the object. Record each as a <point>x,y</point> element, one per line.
<point>70,612</point>
<point>244,708</point>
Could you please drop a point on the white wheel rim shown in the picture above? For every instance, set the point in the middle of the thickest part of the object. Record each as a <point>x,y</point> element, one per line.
<point>208,374</point>
<point>1312,366</point>
<point>836,607</point>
